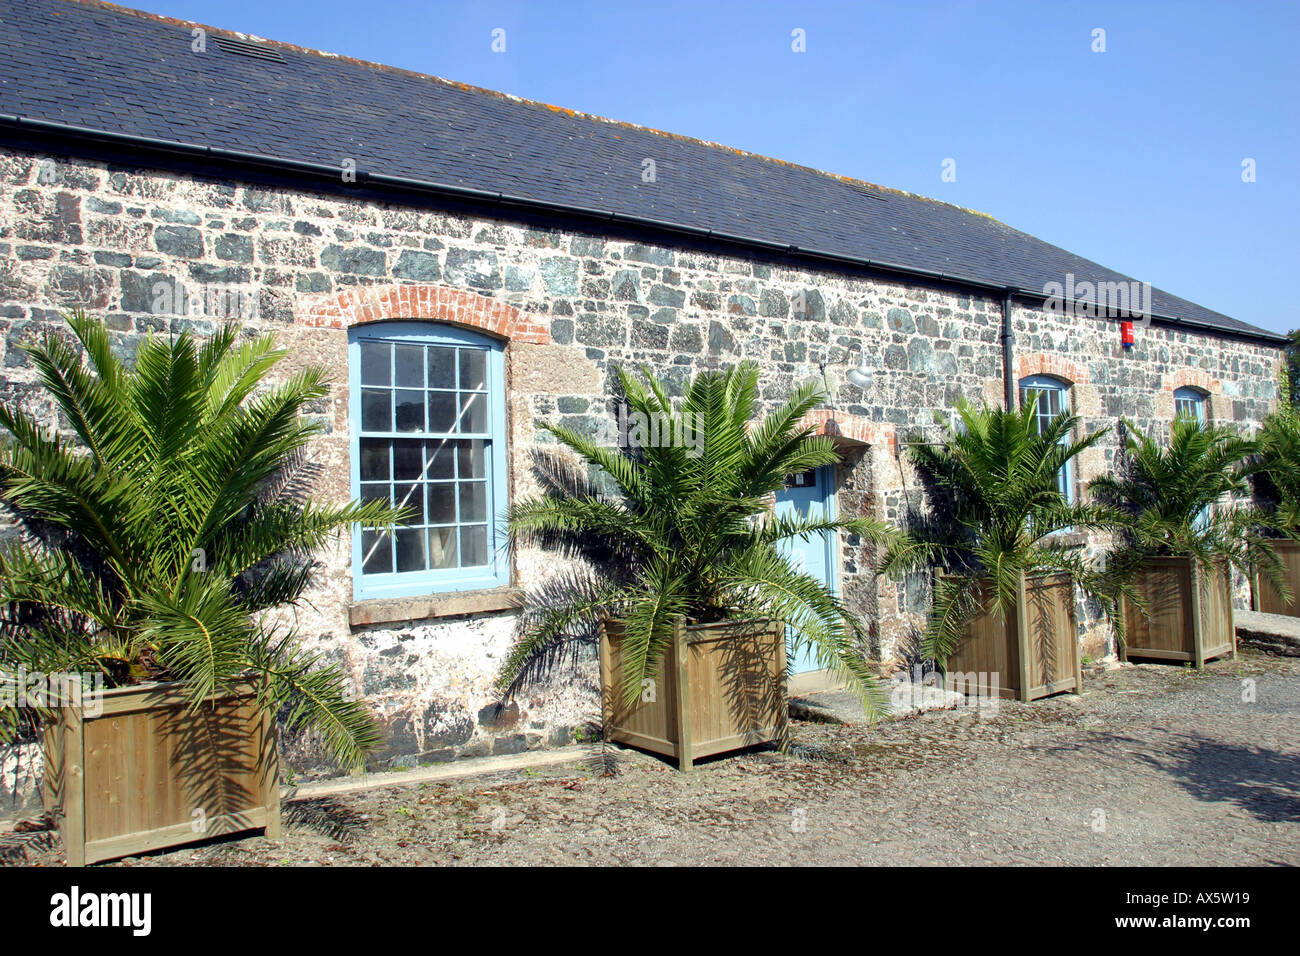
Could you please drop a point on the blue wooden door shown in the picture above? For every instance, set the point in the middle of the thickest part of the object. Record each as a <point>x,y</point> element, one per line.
<point>809,495</point>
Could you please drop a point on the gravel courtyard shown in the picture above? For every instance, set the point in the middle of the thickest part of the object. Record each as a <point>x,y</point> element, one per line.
<point>1152,765</point>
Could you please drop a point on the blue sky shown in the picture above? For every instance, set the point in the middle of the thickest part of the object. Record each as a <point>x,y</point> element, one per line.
<point>1131,157</point>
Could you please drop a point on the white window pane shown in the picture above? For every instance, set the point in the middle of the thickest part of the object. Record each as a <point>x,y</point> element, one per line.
<point>473,458</point>
<point>473,546</point>
<point>377,491</point>
<point>441,461</point>
<point>473,501</point>
<point>376,552</point>
<point>408,459</point>
<point>411,497</point>
<point>474,413</point>
<point>442,503</point>
<point>442,548</point>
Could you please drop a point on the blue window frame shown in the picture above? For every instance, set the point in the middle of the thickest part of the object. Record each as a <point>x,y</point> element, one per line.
<point>426,404</point>
<point>1053,397</point>
<point>1190,403</point>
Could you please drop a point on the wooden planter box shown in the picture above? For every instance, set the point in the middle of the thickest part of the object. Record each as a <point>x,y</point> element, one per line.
<point>1034,652</point>
<point>1189,613</point>
<point>143,772</point>
<point>1265,597</point>
<point>721,688</point>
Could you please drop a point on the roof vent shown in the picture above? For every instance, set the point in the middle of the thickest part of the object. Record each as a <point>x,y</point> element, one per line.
<point>248,48</point>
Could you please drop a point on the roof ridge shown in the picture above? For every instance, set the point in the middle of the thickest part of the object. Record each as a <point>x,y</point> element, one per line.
<point>498,94</point>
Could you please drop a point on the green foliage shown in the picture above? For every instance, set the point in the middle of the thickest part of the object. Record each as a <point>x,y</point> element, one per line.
<point>684,532</point>
<point>1173,499</point>
<point>161,535</point>
<point>1277,468</point>
<point>995,503</point>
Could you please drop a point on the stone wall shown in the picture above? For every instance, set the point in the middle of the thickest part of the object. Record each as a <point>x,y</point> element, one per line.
<point>1111,383</point>
<point>572,305</point>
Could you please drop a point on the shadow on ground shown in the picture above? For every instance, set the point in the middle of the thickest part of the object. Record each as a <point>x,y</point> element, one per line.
<point>326,816</point>
<point>1264,783</point>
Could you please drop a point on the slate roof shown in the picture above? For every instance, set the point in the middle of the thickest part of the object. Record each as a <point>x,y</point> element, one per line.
<point>107,68</point>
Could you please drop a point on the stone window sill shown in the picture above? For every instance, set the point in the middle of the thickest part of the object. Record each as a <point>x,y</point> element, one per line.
<point>429,606</point>
<point>1071,539</point>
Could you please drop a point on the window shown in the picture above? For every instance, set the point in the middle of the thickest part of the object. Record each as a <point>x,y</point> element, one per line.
<point>426,405</point>
<point>1190,403</point>
<point>1053,397</point>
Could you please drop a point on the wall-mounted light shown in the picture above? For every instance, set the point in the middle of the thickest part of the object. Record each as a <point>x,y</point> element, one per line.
<point>862,376</point>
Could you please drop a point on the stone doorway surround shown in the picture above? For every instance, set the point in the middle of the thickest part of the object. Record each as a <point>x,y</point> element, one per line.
<point>852,431</point>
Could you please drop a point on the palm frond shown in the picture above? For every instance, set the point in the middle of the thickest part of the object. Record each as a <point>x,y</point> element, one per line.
<point>178,530</point>
<point>690,517</point>
<point>999,512</point>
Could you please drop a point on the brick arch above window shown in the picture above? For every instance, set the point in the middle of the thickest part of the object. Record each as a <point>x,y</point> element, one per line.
<point>342,310</point>
<point>1195,378</point>
<point>1053,364</point>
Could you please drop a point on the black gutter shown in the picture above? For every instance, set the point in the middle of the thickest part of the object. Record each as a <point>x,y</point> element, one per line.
<point>402,183</point>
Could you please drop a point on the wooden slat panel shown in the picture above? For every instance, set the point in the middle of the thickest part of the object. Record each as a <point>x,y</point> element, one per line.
<point>1266,597</point>
<point>52,737</point>
<point>162,837</point>
<point>653,722</point>
<point>992,644</point>
<point>144,771</point>
<point>1217,628</point>
<point>1165,655</point>
<point>73,808</point>
<point>732,685</point>
<point>1052,636</point>
<point>119,700</point>
<point>737,685</point>
<point>1165,586</point>
<point>990,647</point>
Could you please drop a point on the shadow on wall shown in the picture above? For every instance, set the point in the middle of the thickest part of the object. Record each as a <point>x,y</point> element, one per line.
<point>21,770</point>
<point>919,669</point>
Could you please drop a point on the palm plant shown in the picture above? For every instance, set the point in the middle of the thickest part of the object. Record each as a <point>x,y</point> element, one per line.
<point>679,530</point>
<point>1170,494</point>
<point>164,533</point>
<point>1277,467</point>
<point>995,504</point>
